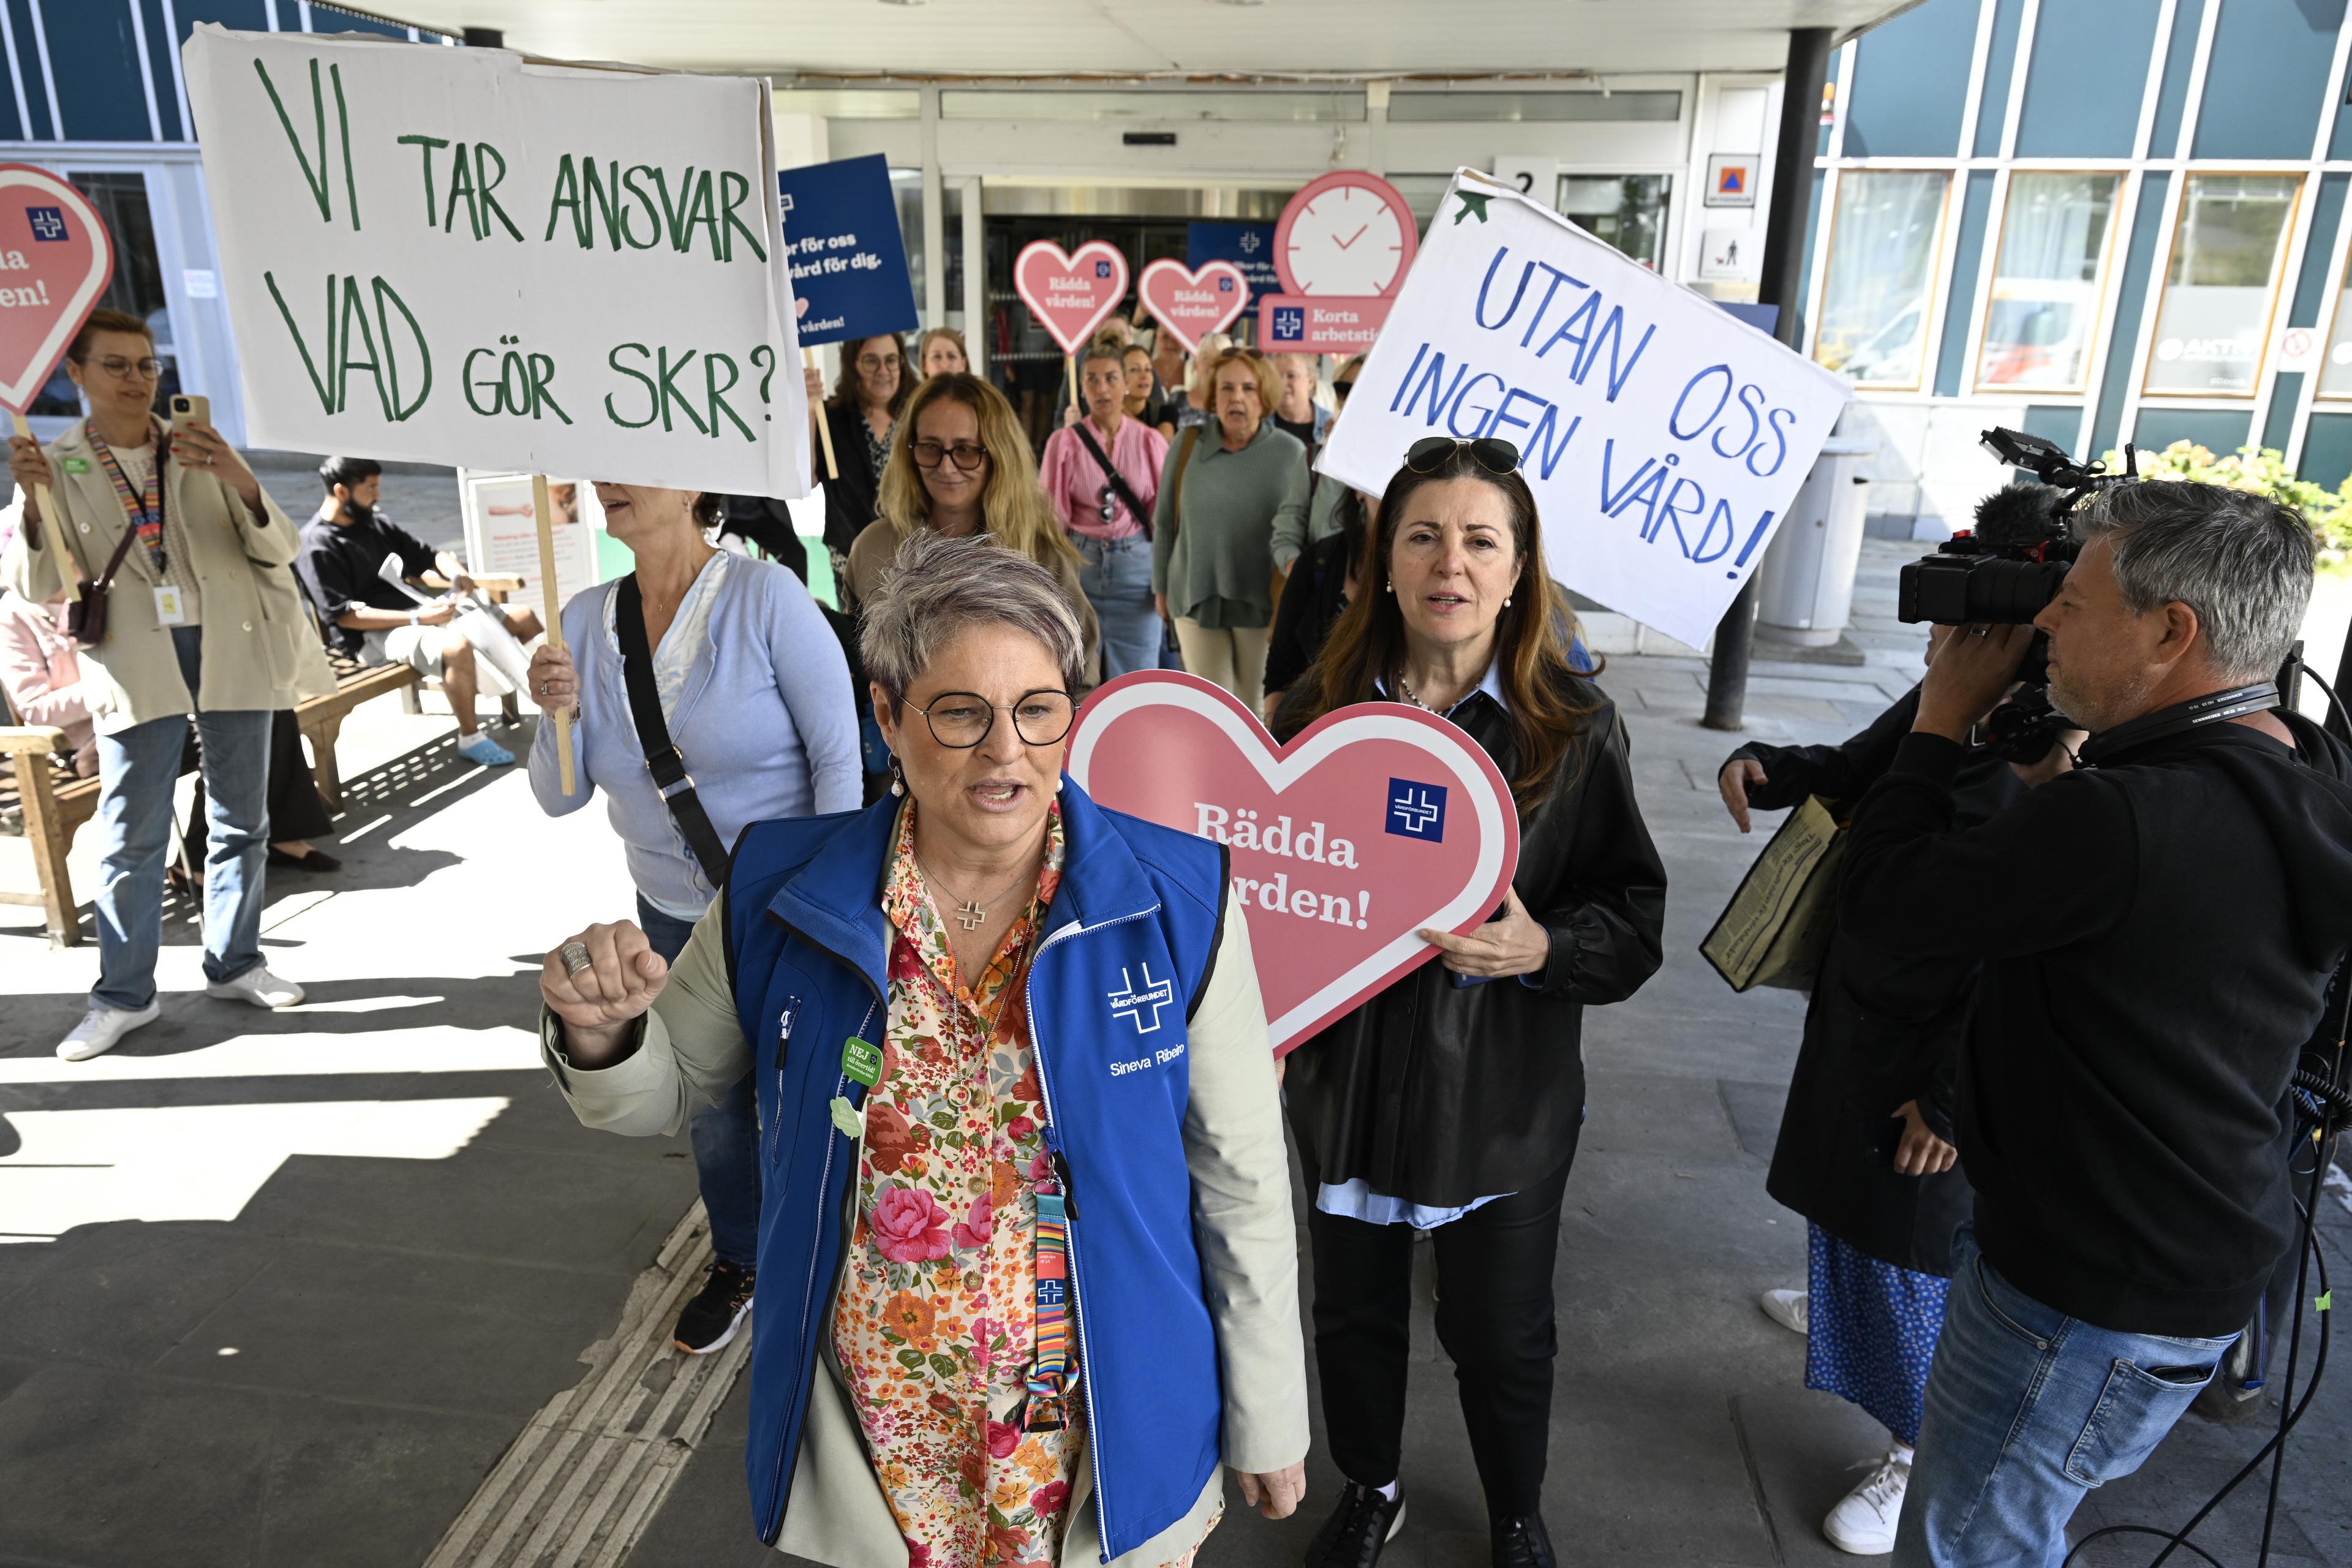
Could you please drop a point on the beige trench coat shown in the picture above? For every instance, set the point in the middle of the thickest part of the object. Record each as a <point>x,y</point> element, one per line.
<point>261,647</point>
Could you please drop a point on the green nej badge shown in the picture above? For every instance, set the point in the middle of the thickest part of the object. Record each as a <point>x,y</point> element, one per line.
<point>861,1061</point>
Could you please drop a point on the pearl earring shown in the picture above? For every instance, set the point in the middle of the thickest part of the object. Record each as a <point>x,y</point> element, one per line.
<point>1507,604</point>
<point>1392,588</point>
<point>897,778</point>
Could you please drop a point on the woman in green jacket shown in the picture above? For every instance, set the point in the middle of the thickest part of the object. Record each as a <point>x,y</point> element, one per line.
<point>1225,492</point>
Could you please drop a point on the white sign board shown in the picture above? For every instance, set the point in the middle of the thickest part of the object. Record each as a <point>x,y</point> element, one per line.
<point>1664,439</point>
<point>455,255</point>
<point>502,535</point>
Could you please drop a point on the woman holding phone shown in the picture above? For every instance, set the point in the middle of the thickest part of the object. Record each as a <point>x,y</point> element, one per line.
<point>171,532</point>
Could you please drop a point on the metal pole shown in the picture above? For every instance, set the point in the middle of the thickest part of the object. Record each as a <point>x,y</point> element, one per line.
<point>1783,284</point>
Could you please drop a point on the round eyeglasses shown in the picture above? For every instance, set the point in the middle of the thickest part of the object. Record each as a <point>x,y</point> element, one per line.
<point>961,719</point>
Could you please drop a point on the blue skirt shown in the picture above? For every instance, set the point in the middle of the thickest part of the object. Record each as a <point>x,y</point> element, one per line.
<point>1872,1332</point>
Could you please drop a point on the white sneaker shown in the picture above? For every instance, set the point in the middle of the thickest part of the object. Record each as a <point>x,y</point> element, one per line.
<point>1789,1308</point>
<point>102,1029</point>
<point>256,986</point>
<point>1864,1523</point>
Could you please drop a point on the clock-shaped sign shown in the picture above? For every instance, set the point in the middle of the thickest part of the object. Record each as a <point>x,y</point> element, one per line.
<point>1349,234</point>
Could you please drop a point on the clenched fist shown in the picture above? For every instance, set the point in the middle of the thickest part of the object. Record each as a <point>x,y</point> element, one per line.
<point>599,1004</point>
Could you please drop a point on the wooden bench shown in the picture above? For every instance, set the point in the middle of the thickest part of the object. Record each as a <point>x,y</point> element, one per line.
<point>54,802</point>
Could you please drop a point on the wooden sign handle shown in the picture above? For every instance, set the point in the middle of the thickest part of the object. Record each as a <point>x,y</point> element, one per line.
<point>543,512</point>
<point>824,425</point>
<point>1073,382</point>
<point>48,509</point>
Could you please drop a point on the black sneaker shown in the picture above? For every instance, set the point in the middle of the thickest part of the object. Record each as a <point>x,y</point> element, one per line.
<point>717,1310</point>
<point>1362,1523</point>
<point>1521,1542</point>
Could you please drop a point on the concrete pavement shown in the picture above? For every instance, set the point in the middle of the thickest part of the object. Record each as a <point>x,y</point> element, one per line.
<point>288,1287</point>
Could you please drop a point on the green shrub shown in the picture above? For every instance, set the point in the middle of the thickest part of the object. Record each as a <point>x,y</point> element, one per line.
<point>2261,470</point>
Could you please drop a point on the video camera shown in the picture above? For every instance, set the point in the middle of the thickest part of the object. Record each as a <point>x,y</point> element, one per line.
<point>2007,570</point>
<point>2009,567</point>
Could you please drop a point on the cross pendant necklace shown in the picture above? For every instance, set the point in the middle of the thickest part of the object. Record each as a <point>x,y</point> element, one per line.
<point>968,914</point>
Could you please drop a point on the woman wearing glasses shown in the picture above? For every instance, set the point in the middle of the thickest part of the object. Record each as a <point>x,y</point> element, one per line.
<point>1027,1254</point>
<point>868,397</point>
<point>1102,474</point>
<point>1228,490</point>
<point>748,694</point>
<point>964,468</point>
<point>202,617</point>
<point>1457,617</point>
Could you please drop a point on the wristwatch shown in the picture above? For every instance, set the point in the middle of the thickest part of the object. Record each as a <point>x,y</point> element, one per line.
<point>412,617</point>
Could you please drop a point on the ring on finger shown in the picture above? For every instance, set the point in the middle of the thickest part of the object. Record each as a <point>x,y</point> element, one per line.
<point>575,958</point>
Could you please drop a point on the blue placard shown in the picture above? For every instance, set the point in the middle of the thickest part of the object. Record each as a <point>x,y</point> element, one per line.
<point>849,258</point>
<point>1417,810</point>
<point>1248,246</point>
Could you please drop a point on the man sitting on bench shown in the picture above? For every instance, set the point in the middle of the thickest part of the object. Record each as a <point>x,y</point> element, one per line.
<point>370,619</point>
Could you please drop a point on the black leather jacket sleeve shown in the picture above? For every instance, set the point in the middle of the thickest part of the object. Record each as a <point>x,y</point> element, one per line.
<point>1607,916</point>
<point>1841,773</point>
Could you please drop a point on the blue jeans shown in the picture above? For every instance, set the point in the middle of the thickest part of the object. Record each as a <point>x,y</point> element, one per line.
<point>1118,580</point>
<point>136,770</point>
<point>2028,1409</point>
<point>726,1136</point>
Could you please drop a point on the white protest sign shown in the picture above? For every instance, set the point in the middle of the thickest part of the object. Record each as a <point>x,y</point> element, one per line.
<point>1664,439</point>
<point>462,256</point>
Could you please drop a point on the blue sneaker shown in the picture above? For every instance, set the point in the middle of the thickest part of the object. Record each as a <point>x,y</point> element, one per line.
<point>479,748</point>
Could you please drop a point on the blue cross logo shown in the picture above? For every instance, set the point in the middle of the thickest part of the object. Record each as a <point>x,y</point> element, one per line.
<point>1102,269</point>
<point>1051,1292</point>
<point>1289,325</point>
<point>1128,1002</point>
<point>49,223</point>
<point>1250,242</point>
<point>1417,810</point>
<point>1225,285</point>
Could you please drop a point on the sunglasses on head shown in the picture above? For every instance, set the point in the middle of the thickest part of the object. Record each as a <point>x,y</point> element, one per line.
<point>1429,454</point>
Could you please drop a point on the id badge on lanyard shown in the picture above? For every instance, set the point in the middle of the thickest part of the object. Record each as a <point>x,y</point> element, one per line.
<point>169,610</point>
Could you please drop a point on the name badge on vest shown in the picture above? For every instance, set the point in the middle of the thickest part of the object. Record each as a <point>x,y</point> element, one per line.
<point>75,464</point>
<point>169,610</point>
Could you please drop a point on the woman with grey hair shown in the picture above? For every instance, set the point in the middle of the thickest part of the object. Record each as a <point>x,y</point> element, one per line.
<point>1027,1246</point>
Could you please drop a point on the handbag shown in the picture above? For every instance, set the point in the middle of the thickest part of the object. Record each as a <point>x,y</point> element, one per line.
<point>86,617</point>
<point>663,759</point>
<point>1118,480</point>
<point>1777,923</point>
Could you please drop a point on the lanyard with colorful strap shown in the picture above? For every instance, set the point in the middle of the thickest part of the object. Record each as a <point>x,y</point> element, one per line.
<point>1048,1372</point>
<point>143,507</point>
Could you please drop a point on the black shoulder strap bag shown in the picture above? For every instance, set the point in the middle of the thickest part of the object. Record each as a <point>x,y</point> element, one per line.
<point>1118,481</point>
<point>663,759</point>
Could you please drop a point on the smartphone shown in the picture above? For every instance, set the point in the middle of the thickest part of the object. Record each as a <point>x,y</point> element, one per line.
<point>189,408</point>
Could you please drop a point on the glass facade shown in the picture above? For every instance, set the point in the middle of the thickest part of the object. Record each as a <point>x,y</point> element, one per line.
<point>2213,321</point>
<point>2042,312</point>
<point>1881,258</point>
<point>1629,211</point>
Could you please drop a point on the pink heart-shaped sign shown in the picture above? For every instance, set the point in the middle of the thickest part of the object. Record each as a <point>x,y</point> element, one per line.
<point>1070,295</point>
<point>55,260</point>
<point>1194,304</point>
<point>1377,821</point>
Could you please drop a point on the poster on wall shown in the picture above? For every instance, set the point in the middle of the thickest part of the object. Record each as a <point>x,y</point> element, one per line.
<point>1663,436</point>
<point>1248,246</point>
<point>849,259</point>
<point>502,537</point>
<point>464,256</point>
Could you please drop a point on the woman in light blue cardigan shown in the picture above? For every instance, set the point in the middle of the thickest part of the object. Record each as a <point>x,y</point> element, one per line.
<point>755,693</point>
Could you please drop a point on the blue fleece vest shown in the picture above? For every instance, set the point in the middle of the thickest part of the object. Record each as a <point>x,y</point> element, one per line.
<point>1115,973</point>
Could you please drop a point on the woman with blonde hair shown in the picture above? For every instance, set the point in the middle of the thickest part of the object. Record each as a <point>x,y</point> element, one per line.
<point>1230,487</point>
<point>941,352</point>
<point>962,467</point>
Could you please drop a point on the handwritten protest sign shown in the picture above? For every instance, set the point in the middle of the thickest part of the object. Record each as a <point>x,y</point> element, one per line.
<point>1662,438</point>
<point>1192,304</point>
<point>462,256</point>
<point>1375,821</point>
<point>55,260</point>
<point>849,258</point>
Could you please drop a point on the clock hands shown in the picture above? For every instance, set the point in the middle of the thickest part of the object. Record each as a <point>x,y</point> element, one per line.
<point>1344,244</point>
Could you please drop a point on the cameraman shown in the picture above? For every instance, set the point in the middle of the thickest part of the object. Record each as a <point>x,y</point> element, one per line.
<point>2157,933</point>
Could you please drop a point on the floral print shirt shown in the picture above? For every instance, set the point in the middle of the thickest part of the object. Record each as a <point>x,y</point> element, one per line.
<point>936,1326</point>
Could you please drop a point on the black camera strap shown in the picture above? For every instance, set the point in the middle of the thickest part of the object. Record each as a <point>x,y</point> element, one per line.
<point>663,759</point>
<point>2213,708</point>
<point>1118,480</point>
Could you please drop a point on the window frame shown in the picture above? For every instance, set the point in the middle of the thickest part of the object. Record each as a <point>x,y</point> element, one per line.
<point>1931,310</point>
<point>2161,281</point>
<point>1999,232</point>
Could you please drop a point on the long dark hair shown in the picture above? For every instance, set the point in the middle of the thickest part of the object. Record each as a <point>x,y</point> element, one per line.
<point>1367,643</point>
<point>844,382</point>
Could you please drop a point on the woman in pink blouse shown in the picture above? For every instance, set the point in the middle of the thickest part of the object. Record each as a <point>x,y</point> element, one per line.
<point>43,678</point>
<point>1102,474</point>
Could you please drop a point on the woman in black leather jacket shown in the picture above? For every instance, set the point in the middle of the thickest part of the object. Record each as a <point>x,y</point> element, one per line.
<point>1451,1101</point>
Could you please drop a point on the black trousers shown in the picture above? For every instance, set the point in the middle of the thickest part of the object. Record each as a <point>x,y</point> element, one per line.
<point>295,809</point>
<point>1495,1318</point>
